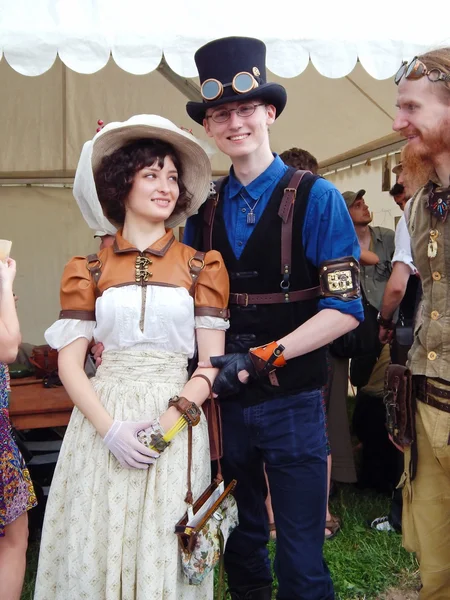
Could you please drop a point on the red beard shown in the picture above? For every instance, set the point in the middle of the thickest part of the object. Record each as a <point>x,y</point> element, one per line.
<point>417,167</point>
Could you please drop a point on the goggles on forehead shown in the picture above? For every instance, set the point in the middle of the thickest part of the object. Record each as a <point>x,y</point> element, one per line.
<point>417,69</point>
<point>243,82</point>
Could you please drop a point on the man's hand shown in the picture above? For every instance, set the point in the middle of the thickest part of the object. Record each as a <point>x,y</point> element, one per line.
<point>385,335</point>
<point>97,351</point>
<point>235,370</point>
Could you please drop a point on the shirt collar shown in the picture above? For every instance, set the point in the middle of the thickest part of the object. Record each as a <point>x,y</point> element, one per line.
<point>376,233</point>
<point>256,188</point>
<point>159,248</point>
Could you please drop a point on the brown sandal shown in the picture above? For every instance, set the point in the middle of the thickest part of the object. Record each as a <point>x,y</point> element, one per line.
<point>334,526</point>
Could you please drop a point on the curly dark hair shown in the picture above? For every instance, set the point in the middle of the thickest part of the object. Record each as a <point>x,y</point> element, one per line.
<point>300,159</point>
<point>115,176</point>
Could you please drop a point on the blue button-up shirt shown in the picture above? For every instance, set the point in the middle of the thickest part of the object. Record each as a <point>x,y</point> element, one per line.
<point>328,231</point>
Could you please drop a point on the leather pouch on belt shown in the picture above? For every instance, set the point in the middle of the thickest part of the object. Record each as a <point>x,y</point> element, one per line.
<point>398,400</point>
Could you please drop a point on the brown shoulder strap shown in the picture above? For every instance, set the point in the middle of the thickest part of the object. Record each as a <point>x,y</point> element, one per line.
<point>286,212</point>
<point>196,265</point>
<point>209,213</point>
<point>94,266</point>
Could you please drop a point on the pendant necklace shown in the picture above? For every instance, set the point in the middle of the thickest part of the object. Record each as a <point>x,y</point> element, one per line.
<point>438,204</point>
<point>250,215</point>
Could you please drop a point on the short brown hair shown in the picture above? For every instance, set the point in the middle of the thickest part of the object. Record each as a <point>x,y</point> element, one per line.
<point>300,159</point>
<point>115,176</point>
<point>439,59</point>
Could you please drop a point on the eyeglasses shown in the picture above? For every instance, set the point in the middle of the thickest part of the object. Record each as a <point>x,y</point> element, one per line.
<point>221,115</point>
<point>417,69</point>
<point>243,82</point>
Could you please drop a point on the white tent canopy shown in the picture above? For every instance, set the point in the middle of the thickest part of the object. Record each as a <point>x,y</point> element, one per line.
<point>84,33</point>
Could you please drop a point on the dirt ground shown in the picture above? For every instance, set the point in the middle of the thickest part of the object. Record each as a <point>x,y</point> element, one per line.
<point>396,594</point>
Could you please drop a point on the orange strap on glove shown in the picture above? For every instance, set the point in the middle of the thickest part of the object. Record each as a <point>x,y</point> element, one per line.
<point>267,357</point>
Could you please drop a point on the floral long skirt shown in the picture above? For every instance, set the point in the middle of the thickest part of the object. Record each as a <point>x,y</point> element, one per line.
<point>109,531</point>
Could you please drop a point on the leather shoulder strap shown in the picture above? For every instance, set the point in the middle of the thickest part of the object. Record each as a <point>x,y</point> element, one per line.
<point>286,213</point>
<point>94,266</point>
<point>209,213</point>
<point>196,265</point>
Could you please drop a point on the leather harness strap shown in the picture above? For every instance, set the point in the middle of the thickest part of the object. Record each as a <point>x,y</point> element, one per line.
<point>297,296</point>
<point>209,213</point>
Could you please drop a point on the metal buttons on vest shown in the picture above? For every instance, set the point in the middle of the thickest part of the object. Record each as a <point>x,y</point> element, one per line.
<point>434,315</point>
<point>436,276</point>
<point>432,355</point>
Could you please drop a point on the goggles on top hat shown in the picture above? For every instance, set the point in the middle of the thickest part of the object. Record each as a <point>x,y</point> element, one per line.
<point>417,69</point>
<point>243,82</point>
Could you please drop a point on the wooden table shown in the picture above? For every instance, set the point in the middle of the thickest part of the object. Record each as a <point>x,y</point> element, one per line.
<point>33,406</point>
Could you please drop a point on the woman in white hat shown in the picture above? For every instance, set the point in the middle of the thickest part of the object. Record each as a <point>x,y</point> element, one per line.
<point>114,502</point>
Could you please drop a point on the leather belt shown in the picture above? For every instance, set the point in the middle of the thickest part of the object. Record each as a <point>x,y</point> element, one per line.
<point>425,388</point>
<point>280,298</point>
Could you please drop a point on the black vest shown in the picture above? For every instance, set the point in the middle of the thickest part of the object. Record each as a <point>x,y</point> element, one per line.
<point>258,271</point>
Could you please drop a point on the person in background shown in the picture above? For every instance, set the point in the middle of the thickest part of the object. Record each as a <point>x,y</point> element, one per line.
<point>300,159</point>
<point>16,490</point>
<point>399,194</point>
<point>367,369</point>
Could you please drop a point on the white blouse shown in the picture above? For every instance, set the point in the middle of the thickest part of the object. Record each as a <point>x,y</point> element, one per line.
<point>403,245</point>
<point>166,315</point>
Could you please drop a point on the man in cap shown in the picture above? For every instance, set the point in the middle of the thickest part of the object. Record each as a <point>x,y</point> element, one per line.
<point>369,364</point>
<point>281,239</point>
<point>423,117</point>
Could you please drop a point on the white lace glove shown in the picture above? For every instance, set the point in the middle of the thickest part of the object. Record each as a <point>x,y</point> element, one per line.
<point>121,440</point>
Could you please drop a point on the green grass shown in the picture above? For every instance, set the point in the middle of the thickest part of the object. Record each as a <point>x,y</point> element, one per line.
<point>363,563</point>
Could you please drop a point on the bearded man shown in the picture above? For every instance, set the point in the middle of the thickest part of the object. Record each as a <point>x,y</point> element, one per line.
<point>423,117</point>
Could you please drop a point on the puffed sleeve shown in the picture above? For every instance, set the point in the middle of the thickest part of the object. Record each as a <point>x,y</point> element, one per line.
<point>211,294</point>
<point>77,316</point>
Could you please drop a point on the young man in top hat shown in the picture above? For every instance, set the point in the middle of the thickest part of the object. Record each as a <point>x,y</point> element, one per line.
<point>280,246</point>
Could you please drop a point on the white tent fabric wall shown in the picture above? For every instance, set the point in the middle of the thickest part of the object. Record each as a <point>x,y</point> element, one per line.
<point>45,120</point>
<point>46,229</point>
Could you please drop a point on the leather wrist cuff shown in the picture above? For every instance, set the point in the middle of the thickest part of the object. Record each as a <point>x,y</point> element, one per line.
<point>267,358</point>
<point>189,410</point>
<point>386,323</point>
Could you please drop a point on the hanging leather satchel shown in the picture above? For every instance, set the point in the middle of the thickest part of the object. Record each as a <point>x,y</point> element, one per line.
<point>204,530</point>
<point>45,361</point>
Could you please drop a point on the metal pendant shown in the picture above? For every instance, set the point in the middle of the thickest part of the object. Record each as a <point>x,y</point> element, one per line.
<point>432,244</point>
<point>250,218</point>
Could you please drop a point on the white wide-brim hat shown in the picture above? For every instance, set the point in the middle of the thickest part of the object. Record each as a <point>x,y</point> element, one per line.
<point>193,158</point>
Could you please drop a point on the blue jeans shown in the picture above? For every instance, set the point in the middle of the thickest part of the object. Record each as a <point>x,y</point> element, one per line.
<point>287,434</point>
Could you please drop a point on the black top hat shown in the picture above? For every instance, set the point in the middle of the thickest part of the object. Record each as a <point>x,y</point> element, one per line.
<point>222,60</point>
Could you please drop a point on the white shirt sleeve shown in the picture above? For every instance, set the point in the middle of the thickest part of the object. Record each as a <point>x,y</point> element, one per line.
<point>65,331</point>
<point>206,322</point>
<point>403,245</point>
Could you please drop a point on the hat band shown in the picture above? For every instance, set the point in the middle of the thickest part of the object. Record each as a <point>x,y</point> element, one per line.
<point>243,82</point>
